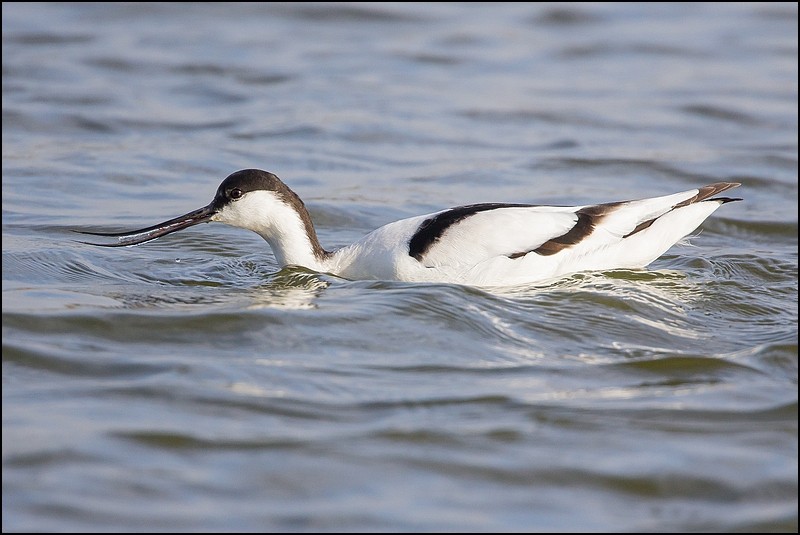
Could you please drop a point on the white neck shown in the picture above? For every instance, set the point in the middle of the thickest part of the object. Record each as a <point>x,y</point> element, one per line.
<point>293,241</point>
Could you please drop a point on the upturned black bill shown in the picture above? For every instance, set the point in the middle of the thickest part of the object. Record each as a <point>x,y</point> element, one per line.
<point>136,237</point>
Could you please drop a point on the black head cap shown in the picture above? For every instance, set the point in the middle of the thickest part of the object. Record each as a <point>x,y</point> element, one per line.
<point>245,181</point>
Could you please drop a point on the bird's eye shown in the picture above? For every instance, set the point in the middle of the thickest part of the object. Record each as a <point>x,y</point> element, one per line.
<point>236,193</point>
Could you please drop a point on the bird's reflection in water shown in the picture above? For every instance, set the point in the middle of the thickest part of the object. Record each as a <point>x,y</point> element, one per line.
<point>290,288</point>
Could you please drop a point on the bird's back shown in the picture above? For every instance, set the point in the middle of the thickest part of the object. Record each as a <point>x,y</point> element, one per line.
<point>507,244</point>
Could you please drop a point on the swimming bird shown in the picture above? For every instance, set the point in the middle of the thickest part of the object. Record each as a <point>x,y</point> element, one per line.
<point>488,244</point>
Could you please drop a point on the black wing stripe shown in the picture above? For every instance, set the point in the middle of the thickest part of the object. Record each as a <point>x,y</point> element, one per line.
<point>588,219</point>
<point>582,229</point>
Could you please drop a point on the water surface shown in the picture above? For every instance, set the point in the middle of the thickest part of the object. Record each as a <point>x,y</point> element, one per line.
<point>189,384</point>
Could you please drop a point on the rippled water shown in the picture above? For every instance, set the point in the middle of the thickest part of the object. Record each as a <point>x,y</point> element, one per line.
<point>187,384</point>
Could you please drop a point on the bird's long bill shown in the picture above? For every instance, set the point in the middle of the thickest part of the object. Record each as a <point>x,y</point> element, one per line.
<point>135,237</point>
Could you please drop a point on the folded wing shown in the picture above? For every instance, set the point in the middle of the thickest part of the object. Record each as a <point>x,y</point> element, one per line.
<point>471,235</point>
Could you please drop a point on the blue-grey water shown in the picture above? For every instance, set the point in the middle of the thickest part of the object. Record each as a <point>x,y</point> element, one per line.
<point>189,384</point>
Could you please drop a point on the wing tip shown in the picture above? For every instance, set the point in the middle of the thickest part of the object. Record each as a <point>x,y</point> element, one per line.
<point>705,193</point>
<point>725,200</point>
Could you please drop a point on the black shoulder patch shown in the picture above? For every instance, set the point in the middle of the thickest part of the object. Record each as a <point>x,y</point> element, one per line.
<point>432,228</point>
